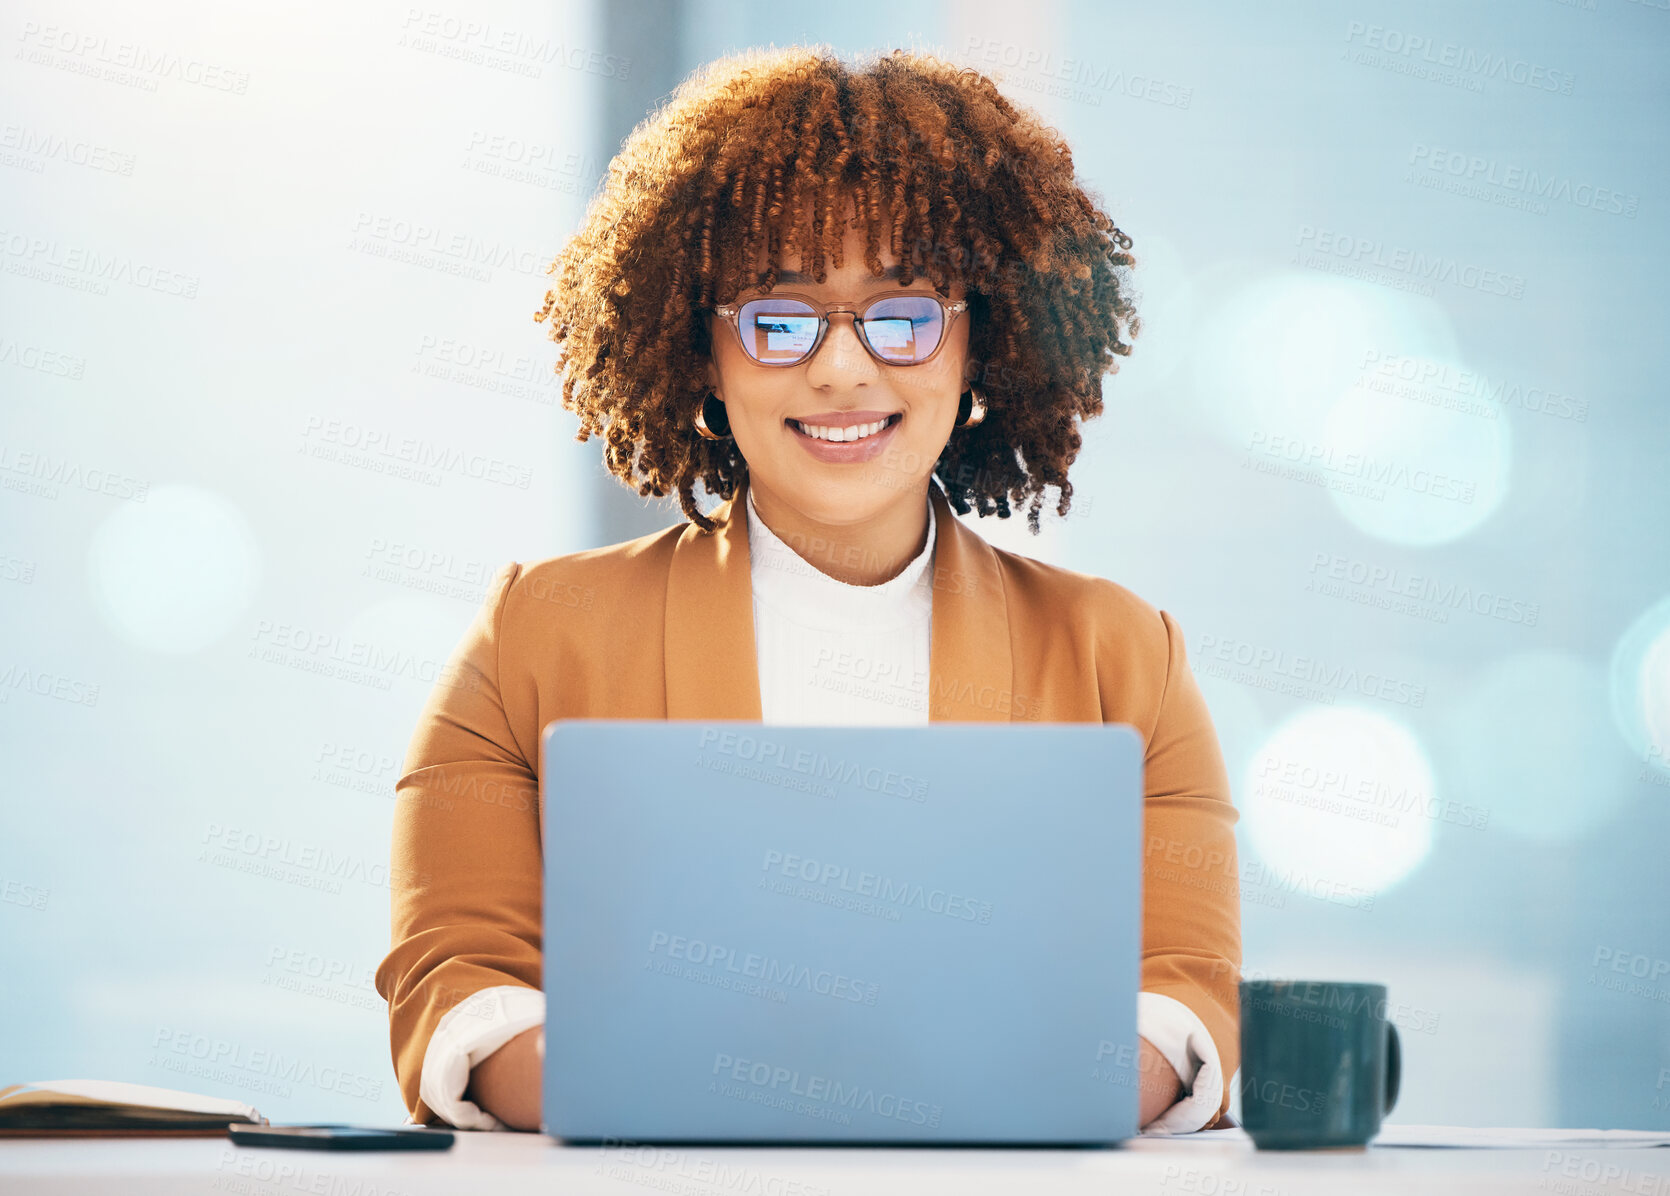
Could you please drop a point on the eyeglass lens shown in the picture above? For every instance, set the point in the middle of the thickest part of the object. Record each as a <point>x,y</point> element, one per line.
<point>900,329</point>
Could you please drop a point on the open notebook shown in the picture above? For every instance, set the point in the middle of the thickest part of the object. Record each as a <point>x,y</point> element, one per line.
<point>89,1107</point>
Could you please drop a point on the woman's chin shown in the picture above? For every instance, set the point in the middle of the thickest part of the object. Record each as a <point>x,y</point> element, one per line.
<point>857,498</point>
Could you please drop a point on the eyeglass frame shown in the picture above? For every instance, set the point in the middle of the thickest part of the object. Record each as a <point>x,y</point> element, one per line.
<point>731,313</point>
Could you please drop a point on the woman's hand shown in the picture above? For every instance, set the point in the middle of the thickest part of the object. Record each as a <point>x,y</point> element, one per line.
<point>507,1082</point>
<point>1158,1083</point>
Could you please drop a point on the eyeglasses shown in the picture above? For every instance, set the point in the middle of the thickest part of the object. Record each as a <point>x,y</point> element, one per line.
<point>895,327</point>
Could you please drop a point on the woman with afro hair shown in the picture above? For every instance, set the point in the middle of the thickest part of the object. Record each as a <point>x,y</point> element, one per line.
<point>847,301</point>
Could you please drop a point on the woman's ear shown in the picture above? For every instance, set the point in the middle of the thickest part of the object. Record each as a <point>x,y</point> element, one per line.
<point>713,378</point>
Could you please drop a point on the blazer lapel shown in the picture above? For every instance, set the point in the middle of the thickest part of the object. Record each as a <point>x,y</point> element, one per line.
<point>711,666</point>
<point>710,663</point>
<point>971,667</point>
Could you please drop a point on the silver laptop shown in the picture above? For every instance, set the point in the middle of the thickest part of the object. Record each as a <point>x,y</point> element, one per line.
<point>841,934</point>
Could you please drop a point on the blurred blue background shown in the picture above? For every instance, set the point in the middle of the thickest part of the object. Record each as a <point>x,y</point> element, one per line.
<point>1391,447</point>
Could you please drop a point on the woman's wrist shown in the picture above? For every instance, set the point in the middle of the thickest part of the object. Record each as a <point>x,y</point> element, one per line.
<point>1158,1084</point>
<point>507,1082</point>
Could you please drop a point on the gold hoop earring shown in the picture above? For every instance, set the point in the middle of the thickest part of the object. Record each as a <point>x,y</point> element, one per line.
<point>971,413</point>
<point>707,422</point>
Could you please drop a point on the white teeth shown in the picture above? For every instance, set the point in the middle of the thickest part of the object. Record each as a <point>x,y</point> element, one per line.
<point>841,435</point>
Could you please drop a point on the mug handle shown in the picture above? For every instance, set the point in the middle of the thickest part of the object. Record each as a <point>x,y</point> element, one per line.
<point>1394,1066</point>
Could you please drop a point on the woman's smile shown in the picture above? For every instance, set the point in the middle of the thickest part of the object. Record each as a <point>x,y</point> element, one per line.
<point>845,437</point>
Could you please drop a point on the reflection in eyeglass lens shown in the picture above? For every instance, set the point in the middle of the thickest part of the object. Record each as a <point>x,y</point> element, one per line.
<point>780,336</point>
<point>892,337</point>
<point>902,329</point>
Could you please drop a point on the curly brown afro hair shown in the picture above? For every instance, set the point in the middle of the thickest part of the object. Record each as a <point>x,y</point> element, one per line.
<point>763,155</point>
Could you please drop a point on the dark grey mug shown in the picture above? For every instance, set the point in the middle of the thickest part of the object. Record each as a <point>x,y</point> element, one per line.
<point>1320,1064</point>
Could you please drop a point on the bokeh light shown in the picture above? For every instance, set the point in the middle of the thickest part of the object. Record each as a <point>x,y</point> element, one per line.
<point>1410,470</point>
<point>1276,351</point>
<point>172,574</point>
<point>1341,794</point>
<point>1640,685</point>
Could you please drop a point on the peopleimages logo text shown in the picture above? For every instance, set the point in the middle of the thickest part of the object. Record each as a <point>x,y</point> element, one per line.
<point>857,1098</point>
<point>763,968</point>
<point>872,884</point>
<point>773,753</point>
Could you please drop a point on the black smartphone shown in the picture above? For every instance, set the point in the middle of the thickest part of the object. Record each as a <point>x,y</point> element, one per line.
<point>341,1137</point>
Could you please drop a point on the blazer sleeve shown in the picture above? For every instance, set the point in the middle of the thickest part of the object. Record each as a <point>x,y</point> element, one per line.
<point>1191,933</point>
<point>466,874</point>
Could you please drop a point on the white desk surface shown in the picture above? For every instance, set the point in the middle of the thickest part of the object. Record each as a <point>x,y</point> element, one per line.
<point>505,1164</point>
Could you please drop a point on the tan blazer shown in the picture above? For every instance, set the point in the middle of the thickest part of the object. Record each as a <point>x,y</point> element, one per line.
<point>663,627</point>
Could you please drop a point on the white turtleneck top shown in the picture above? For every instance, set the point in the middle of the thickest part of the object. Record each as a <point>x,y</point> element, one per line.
<point>828,653</point>
<point>833,653</point>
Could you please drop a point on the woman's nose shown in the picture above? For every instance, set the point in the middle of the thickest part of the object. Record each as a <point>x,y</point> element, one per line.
<point>842,352</point>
